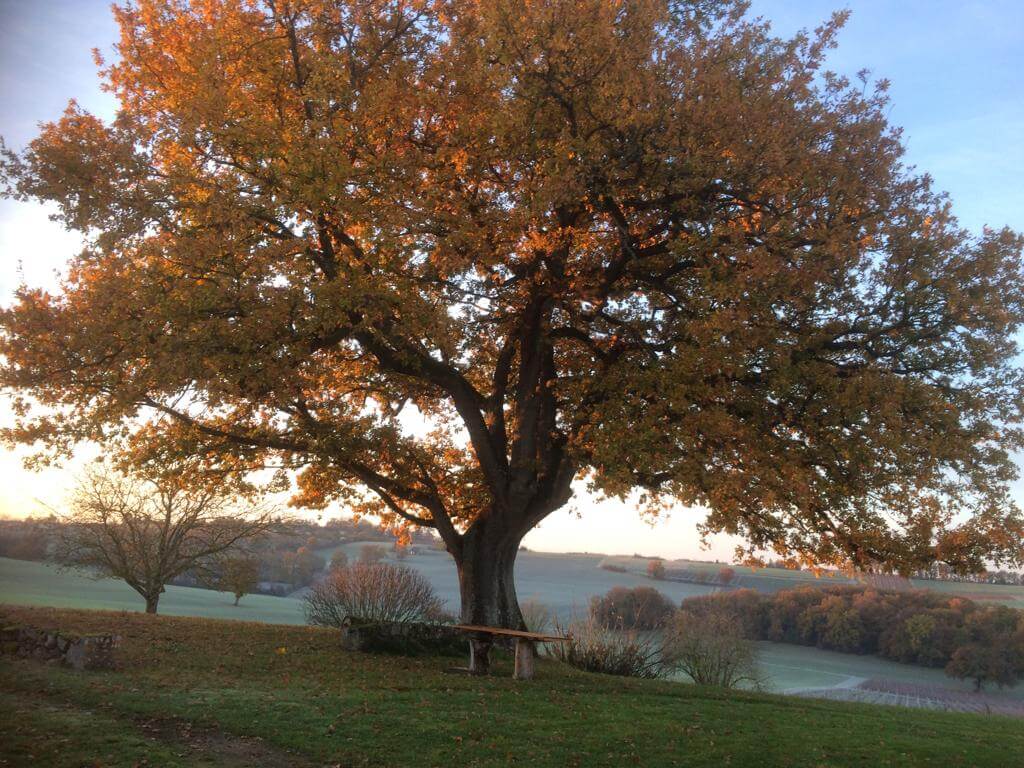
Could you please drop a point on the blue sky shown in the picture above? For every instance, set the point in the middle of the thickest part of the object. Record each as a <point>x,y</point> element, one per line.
<point>955,69</point>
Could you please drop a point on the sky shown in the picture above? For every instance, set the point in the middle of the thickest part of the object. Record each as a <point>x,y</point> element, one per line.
<point>956,90</point>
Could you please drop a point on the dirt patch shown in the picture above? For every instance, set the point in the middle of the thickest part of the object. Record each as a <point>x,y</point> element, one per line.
<point>218,747</point>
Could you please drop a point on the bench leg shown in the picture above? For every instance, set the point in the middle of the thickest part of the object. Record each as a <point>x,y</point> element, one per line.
<point>480,655</point>
<point>524,660</point>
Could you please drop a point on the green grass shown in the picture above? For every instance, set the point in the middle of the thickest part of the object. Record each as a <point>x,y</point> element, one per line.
<point>551,579</point>
<point>220,684</point>
<point>28,583</point>
<point>40,731</point>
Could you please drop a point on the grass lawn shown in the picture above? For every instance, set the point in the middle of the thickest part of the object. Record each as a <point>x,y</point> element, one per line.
<point>206,692</point>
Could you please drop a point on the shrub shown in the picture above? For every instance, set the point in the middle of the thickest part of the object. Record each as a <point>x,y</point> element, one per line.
<point>726,575</point>
<point>536,615</point>
<point>613,567</point>
<point>656,570</point>
<point>594,648</point>
<point>371,553</point>
<point>338,560</point>
<point>380,592</point>
<point>711,648</point>
<point>642,608</point>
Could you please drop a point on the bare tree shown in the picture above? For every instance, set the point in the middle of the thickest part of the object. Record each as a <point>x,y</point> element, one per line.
<point>147,529</point>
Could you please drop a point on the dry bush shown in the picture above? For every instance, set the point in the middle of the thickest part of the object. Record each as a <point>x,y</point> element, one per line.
<point>712,649</point>
<point>595,648</point>
<point>537,616</point>
<point>373,592</point>
<point>641,608</point>
<point>372,553</point>
<point>338,560</point>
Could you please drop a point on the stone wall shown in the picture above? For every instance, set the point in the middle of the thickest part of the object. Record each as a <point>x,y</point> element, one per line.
<point>77,651</point>
<point>406,638</point>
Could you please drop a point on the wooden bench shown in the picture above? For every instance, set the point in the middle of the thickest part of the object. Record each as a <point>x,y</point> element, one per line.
<point>481,639</point>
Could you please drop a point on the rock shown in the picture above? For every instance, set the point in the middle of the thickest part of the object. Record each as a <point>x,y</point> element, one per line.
<point>90,652</point>
<point>400,637</point>
<point>10,634</point>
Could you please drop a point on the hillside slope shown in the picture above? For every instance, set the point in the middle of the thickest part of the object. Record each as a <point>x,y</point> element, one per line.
<point>28,583</point>
<point>208,692</point>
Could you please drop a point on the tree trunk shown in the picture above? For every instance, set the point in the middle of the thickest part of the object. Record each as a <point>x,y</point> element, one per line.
<point>151,603</point>
<point>487,587</point>
<point>487,580</point>
<point>237,598</point>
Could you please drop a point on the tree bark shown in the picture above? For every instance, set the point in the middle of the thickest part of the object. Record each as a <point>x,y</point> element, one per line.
<point>487,579</point>
<point>151,603</point>
<point>237,598</point>
<point>486,568</point>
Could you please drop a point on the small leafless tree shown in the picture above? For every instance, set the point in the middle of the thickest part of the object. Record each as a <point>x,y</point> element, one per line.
<point>147,529</point>
<point>372,591</point>
<point>239,574</point>
<point>711,648</point>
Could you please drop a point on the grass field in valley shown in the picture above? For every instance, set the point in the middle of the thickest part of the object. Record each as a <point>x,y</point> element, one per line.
<point>202,692</point>
<point>27,583</point>
<point>788,667</point>
<point>775,579</point>
<point>563,582</point>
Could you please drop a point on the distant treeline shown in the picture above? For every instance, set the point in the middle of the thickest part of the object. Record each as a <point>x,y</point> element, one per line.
<point>942,572</point>
<point>971,640</point>
<point>27,539</point>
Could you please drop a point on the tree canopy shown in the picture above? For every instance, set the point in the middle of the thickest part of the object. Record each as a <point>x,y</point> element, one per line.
<point>444,257</point>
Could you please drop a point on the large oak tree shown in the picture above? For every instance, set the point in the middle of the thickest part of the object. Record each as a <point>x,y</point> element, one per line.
<point>443,257</point>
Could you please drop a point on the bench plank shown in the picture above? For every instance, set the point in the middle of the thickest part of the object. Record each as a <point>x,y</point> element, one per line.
<point>511,633</point>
